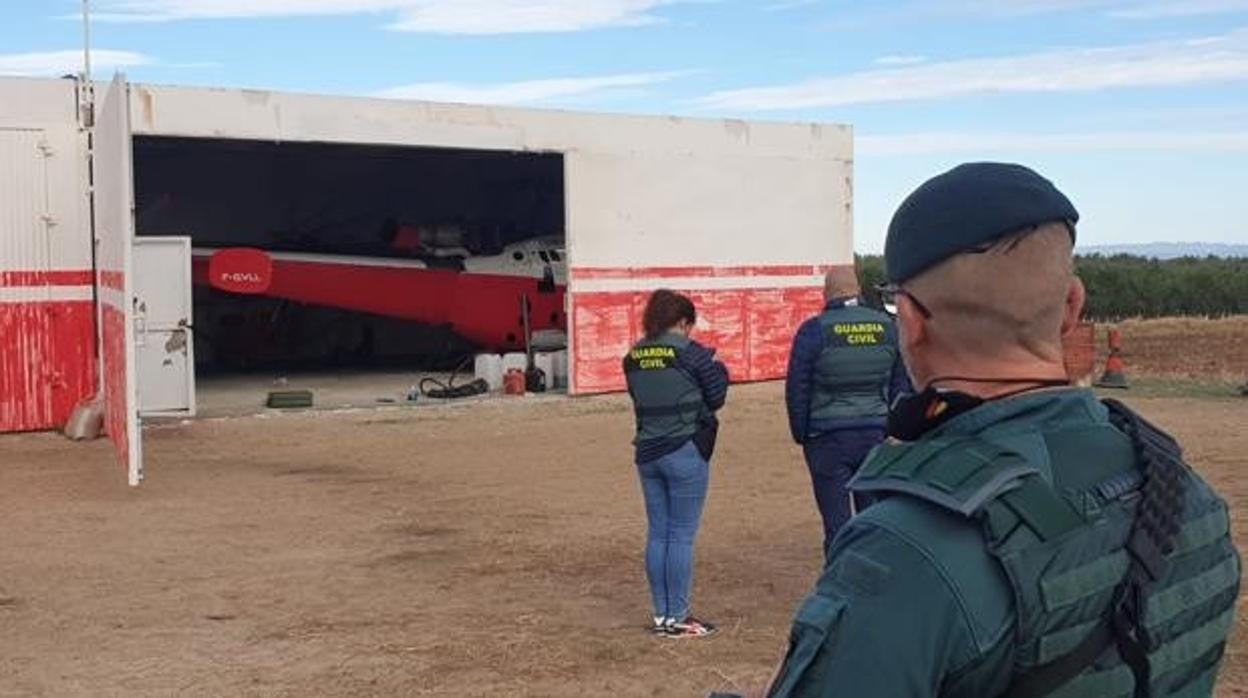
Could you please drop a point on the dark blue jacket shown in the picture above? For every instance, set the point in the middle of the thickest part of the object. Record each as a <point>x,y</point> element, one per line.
<point>800,384</point>
<point>711,376</point>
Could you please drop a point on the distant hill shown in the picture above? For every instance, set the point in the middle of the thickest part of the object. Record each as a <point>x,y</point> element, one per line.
<point>1168,250</point>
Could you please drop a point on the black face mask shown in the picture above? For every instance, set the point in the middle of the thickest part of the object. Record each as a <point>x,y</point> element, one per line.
<point>912,416</point>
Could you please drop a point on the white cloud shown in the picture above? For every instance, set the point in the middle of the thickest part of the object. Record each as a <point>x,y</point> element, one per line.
<point>429,16</point>
<point>1008,143</point>
<point>526,91</point>
<point>900,60</point>
<point>516,16</point>
<point>65,62</point>
<point>170,10</point>
<point>1157,64</point>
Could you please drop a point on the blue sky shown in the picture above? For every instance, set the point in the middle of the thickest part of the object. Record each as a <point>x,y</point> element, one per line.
<point>1138,109</point>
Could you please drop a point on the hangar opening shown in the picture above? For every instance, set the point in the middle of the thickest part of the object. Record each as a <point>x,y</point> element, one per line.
<point>326,260</point>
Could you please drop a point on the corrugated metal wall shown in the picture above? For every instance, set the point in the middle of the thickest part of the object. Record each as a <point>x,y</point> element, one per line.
<point>24,254</point>
<point>114,232</point>
<point>47,326</point>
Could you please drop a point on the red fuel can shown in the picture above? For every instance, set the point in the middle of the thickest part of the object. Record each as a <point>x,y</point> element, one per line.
<point>513,382</point>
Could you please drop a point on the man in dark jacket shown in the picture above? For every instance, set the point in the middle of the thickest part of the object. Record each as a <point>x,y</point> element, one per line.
<point>844,372</point>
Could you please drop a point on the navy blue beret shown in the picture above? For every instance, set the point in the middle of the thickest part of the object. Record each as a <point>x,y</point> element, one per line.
<point>968,206</point>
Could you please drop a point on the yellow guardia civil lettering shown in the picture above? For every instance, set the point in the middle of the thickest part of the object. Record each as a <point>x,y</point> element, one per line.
<point>653,353</point>
<point>858,328</point>
<point>857,339</point>
<point>859,333</point>
<point>652,358</point>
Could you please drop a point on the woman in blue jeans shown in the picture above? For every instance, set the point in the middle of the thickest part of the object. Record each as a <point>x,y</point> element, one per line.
<point>676,385</point>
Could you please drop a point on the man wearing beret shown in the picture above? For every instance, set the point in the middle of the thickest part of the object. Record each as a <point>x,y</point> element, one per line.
<point>1030,539</point>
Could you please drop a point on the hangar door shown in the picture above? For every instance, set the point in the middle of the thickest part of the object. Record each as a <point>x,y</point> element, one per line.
<point>114,278</point>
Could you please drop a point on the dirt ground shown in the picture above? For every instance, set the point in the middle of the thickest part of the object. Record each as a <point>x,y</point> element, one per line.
<point>238,395</point>
<point>1201,348</point>
<point>477,551</point>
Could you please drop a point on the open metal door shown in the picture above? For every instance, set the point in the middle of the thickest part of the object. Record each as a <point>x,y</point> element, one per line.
<point>114,240</point>
<point>165,346</point>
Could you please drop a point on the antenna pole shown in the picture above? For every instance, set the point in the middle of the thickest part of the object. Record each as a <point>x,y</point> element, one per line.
<point>86,40</point>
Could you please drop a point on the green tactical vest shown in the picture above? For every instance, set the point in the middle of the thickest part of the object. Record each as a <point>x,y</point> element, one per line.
<point>1122,568</point>
<point>666,399</point>
<point>853,371</point>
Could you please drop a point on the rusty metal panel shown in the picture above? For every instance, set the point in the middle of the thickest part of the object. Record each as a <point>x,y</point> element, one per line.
<point>46,325</point>
<point>24,401</point>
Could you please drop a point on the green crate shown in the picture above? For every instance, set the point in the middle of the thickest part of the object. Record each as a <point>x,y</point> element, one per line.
<point>290,398</point>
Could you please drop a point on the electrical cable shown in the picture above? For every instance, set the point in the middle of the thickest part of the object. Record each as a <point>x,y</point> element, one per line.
<point>450,391</point>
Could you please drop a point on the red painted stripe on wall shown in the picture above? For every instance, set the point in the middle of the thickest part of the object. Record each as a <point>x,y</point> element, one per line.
<point>115,280</point>
<point>751,331</point>
<point>65,277</point>
<point>587,273</point>
<point>47,362</point>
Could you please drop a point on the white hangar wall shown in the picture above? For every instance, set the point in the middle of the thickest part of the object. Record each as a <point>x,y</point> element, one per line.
<point>745,217</point>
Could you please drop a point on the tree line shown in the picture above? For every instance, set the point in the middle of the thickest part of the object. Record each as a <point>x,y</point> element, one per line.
<point>1125,286</point>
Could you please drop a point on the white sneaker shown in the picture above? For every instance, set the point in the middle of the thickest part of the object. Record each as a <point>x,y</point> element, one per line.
<point>689,627</point>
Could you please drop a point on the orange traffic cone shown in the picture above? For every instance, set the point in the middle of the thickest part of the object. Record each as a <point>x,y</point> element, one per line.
<point>1115,368</point>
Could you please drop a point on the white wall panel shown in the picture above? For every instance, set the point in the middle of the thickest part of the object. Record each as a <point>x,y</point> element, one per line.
<point>37,102</point>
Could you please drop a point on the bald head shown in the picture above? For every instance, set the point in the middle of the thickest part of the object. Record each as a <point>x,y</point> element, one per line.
<point>840,282</point>
<point>1009,301</point>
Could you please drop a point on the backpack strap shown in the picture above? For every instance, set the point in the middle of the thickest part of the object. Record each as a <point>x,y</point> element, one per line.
<point>1162,485</point>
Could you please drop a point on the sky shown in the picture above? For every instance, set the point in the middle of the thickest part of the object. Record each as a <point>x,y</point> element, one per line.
<point>1137,109</point>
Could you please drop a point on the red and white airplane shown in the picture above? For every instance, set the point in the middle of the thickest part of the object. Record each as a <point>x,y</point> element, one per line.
<point>478,297</point>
